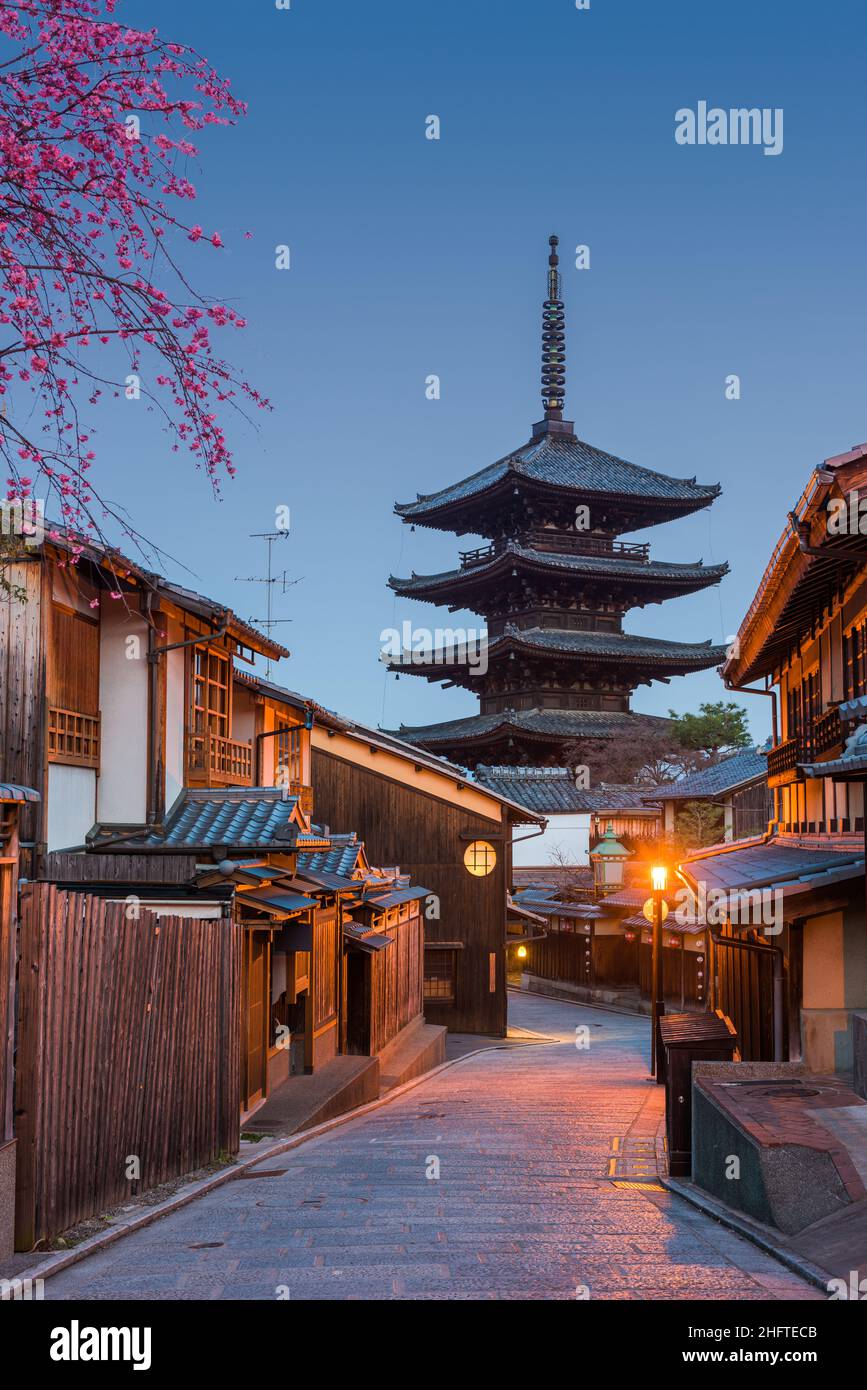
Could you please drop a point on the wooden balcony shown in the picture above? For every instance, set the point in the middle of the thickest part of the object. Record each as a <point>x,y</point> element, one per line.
<point>827,739</point>
<point>783,762</point>
<point>564,542</point>
<point>73,737</point>
<point>216,761</point>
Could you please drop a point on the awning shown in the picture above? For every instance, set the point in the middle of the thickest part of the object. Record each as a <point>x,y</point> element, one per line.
<point>356,934</point>
<point>515,910</point>
<point>400,895</point>
<point>794,871</point>
<point>10,791</point>
<point>323,878</point>
<point>276,899</point>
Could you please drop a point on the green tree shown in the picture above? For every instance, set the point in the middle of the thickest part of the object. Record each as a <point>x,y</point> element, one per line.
<point>717,730</point>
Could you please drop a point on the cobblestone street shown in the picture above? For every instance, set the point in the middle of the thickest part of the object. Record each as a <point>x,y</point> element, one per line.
<point>525,1136</point>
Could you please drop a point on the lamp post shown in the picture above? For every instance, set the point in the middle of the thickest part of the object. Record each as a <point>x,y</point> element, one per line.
<point>658,877</point>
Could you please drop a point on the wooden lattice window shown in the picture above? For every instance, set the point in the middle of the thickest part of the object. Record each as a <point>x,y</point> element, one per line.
<point>210,692</point>
<point>289,750</point>
<point>439,975</point>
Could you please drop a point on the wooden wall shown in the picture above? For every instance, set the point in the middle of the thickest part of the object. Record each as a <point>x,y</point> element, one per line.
<point>744,990</point>
<point>406,827</point>
<point>73,673</point>
<point>127,1045</point>
<point>23,707</point>
<point>612,962</point>
<point>323,985</point>
<point>396,978</point>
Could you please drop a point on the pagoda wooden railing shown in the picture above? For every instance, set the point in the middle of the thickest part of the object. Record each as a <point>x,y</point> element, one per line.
<point>214,759</point>
<point>827,739</point>
<point>562,542</point>
<point>73,737</point>
<point>783,762</point>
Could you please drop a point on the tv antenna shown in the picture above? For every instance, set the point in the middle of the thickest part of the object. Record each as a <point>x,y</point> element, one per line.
<point>270,580</point>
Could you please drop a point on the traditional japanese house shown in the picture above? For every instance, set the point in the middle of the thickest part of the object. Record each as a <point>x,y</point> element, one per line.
<point>119,693</point>
<point>790,953</point>
<point>576,816</point>
<point>444,830</point>
<point>738,785</point>
<point>552,665</point>
<point>170,786</point>
<point>599,949</point>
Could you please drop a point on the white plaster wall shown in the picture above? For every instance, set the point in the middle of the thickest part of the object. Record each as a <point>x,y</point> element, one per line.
<point>123,706</point>
<point>569,834</point>
<point>71,804</point>
<point>175,715</point>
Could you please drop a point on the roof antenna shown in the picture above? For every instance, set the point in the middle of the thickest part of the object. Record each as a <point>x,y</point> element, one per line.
<point>553,340</point>
<point>268,623</point>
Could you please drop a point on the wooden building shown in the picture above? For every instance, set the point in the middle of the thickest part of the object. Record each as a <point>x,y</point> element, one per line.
<point>576,816</point>
<point>170,788</point>
<point>597,948</point>
<point>446,832</point>
<point>553,583</point>
<point>738,785</point>
<point>790,959</point>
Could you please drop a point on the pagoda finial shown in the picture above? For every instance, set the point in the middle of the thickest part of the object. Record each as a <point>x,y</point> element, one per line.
<point>553,340</point>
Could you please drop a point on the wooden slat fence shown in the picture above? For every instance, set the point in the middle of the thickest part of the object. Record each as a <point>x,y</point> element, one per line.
<point>128,1045</point>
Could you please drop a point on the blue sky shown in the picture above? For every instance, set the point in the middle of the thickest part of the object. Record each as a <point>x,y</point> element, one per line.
<point>412,257</point>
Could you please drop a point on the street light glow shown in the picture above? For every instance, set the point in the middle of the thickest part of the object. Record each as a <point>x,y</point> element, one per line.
<point>658,878</point>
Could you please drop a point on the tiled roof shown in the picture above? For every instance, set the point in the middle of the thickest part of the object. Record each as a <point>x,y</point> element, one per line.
<point>547,903</point>
<point>246,818</point>
<point>9,791</point>
<point>550,724</point>
<point>564,461</point>
<point>340,858</point>
<point>606,646</point>
<point>609,566</point>
<point>771,864</point>
<point>726,776</point>
<point>552,790</point>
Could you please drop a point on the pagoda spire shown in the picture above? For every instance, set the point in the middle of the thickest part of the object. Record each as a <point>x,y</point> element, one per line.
<point>553,340</point>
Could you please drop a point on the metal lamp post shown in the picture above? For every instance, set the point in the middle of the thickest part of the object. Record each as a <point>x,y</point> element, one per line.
<point>658,877</point>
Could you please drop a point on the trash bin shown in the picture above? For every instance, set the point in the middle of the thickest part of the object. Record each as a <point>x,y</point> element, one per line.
<point>683,1039</point>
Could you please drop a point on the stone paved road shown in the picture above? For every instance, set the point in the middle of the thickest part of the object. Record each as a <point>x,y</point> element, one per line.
<point>521,1210</point>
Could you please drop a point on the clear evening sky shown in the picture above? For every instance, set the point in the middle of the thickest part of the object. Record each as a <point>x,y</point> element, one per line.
<point>412,257</point>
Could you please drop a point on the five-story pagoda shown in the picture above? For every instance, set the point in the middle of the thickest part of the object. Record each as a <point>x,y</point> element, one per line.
<point>553,584</point>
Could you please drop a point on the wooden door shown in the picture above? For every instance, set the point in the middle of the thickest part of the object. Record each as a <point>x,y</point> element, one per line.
<point>257,1016</point>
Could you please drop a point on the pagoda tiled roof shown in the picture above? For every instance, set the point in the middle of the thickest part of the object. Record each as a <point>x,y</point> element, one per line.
<point>607,566</point>
<point>612,647</point>
<point>563,461</point>
<point>554,725</point>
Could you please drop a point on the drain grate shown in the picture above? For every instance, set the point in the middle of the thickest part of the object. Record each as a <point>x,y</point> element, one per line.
<point>262,1173</point>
